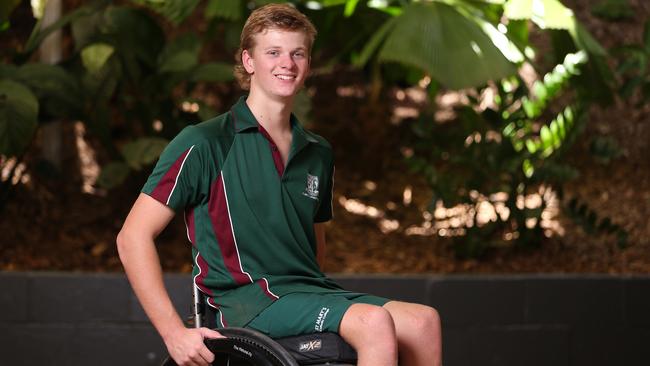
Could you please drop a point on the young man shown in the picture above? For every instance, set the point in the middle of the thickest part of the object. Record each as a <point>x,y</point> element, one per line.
<point>255,189</point>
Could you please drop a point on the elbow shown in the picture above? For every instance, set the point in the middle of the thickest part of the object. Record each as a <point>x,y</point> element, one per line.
<point>122,243</point>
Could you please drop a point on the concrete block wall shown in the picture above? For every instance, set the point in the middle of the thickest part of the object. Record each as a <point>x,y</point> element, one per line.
<point>522,320</point>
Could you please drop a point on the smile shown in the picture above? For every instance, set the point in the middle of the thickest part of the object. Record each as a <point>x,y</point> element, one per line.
<point>285,77</point>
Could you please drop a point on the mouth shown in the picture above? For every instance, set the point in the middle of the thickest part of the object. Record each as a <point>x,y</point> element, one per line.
<point>286,77</point>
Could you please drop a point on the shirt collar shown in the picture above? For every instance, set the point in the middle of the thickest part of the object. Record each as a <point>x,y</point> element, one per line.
<point>244,120</point>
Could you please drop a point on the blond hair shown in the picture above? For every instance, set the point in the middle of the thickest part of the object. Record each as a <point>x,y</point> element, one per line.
<point>271,16</point>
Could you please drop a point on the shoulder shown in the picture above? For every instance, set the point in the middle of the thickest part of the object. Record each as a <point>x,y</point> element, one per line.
<point>320,140</point>
<point>217,130</point>
<point>321,147</point>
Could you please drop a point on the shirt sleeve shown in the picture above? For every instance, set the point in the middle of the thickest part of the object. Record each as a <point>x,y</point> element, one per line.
<point>324,212</point>
<point>175,180</point>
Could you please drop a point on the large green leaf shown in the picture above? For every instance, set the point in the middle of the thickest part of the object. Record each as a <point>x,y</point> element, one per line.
<point>136,35</point>
<point>174,10</point>
<point>448,45</point>
<point>373,44</point>
<point>213,71</point>
<point>94,56</point>
<point>585,40</point>
<point>7,71</point>
<point>143,151</point>
<point>113,174</point>
<point>18,117</point>
<point>547,14</point>
<point>86,29</point>
<point>102,83</point>
<point>58,91</point>
<point>38,35</point>
<point>226,9</point>
<point>180,55</point>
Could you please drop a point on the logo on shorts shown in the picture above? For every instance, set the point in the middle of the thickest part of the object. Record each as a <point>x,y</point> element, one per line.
<point>310,346</point>
<point>320,321</point>
<point>311,190</point>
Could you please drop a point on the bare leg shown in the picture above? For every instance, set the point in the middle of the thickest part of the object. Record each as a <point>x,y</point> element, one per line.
<point>419,334</point>
<point>371,331</point>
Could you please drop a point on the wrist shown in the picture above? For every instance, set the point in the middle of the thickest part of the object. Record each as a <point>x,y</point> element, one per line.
<point>170,332</point>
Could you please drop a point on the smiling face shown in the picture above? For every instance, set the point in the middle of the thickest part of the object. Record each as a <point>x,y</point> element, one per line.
<point>278,63</point>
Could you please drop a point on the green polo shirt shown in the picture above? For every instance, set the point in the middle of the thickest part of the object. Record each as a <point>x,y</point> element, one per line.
<point>249,218</point>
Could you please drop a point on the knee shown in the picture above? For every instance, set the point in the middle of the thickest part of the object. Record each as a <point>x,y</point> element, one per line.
<point>377,319</point>
<point>426,320</point>
<point>369,321</point>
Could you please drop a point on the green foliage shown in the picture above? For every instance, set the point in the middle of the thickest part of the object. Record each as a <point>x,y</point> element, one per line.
<point>94,56</point>
<point>425,31</point>
<point>180,55</point>
<point>633,67</point>
<point>174,10</point>
<point>18,117</point>
<point>226,9</point>
<point>508,149</point>
<point>613,10</point>
<point>122,62</point>
<point>6,7</point>
<point>113,174</point>
<point>124,73</point>
<point>143,151</point>
<point>588,219</point>
<point>57,90</point>
<point>604,149</point>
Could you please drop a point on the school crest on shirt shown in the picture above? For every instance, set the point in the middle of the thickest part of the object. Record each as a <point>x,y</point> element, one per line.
<point>311,190</point>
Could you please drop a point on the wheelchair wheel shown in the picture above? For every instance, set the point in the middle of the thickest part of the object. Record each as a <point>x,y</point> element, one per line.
<point>245,347</point>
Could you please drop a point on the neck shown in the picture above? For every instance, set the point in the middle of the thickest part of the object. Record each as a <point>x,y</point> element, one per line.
<point>273,114</point>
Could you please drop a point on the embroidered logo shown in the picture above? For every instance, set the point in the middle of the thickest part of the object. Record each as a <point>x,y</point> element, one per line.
<point>320,320</point>
<point>311,190</point>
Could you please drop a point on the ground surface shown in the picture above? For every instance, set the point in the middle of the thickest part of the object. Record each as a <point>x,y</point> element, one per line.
<point>55,227</point>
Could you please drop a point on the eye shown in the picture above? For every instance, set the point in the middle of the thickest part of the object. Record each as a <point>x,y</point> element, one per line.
<point>299,54</point>
<point>272,52</point>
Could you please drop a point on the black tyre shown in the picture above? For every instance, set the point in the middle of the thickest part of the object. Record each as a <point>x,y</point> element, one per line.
<point>245,347</point>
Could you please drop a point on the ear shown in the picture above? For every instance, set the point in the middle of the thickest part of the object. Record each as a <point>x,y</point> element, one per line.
<point>247,61</point>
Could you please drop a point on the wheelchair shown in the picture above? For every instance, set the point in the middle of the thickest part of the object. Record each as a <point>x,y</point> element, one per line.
<point>247,347</point>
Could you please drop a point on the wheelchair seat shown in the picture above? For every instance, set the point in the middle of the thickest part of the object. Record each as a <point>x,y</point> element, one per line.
<point>247,347</point>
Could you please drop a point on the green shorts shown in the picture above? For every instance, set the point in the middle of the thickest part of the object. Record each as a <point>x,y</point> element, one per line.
<point>306,313</point>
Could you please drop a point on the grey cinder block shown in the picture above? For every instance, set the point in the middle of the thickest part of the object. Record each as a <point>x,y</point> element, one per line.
<point>35,344</point>
<point>116,345</point>
<point>574,300</point>
<point>637,302</point>
<point>520,345</point>
<point>401,288</point>
<point>464,301</point>
<point>13,297</point>
<point>55,298</point>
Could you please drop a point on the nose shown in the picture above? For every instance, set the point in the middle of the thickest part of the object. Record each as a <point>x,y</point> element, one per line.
<point>286,61</point>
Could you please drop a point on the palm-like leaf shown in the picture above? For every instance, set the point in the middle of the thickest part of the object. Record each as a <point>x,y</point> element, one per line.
<point>448,45</point>
<point>226,9</point>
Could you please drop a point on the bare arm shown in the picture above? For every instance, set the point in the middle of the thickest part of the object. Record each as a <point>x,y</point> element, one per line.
<point>319,230</point>
<point>138,254</point>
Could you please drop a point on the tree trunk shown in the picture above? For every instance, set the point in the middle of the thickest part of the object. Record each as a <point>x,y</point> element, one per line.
<point>50,52</point>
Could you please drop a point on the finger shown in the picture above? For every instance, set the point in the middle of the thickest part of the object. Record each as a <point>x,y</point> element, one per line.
<point>199,360</point>
<point>209,333</point>
<point>188,362</point>
<point>206,354</point>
